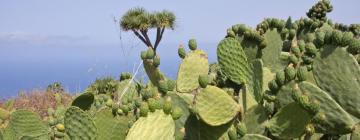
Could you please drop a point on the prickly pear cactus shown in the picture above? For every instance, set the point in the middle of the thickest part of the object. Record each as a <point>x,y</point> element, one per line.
<point>25,123</point>
<point>156,126</point>
<point>271,55</point>
<point>79,125</point>
<point>289,122</point>
<point>215,106</point>
<point>338,73</point>
<point>192,66</point>
<point>329,113</point>
<point>108,125</point>
<point>233,61</point>
<point>84,101</point>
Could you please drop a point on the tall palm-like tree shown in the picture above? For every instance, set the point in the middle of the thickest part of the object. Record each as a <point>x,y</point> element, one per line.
<point>139,21</point>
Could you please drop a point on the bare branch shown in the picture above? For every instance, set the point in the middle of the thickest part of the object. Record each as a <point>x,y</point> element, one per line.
<point>144,33</point>
<point>161,34</point>
<point>139,36</point>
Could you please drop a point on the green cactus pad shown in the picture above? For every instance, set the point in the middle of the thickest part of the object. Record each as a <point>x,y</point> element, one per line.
<point>120,130</point>
<point>79,125</point>
<point>338,73</point>
<point>215,106</point>
<point>257,79</point>
<point>156,126</point>
<point>106,123</point>
<point>289,122</point>
<point>271,54</point>
<point>83,101</point>
<point>233,61</point>
<point>283,96</point>
<point>180,102</point>
<point>153,72</point>
<point>198,130</point>
<point>192,66</point>
<point>254,137</point>
<point>255,119</point>
<point>27,123</point>
<point>337,121</point>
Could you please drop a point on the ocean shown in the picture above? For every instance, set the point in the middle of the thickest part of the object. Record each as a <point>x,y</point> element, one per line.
<point>23,68</point>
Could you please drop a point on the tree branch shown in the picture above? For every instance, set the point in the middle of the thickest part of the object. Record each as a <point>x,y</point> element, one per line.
<point>140,37</point>
<point>144,33</point>
<point>161,34</point>
<point>158,32</point>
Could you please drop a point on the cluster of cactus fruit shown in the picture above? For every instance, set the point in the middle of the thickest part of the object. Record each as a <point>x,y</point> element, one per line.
<point>282,80</point>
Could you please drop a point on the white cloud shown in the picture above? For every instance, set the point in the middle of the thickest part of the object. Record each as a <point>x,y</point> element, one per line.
<point>24,37</point>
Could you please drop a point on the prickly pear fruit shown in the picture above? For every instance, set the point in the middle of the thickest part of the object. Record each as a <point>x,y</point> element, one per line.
<point>290,73</point>
<point>152,104</point>
<point>203,80</point>
<point>167,106</point>
<point>232,134</point>
<point>292,34</point>
<point>163,86</point>
<point>273,86</point>
<point>280,78</point>
<point>59,134</point>
<point>176,113</point>
<point>241,129</point>
<point>181,52</point>
<point>119,112</point>
<point>354,47</point>
<point>301,44</point>
<point>293,59</point>
<point>143,55</point>
<point>336,37</point>
<point>296,51</point>
<point>125,109</point>
<point>156,61</point>
<point>144,109</point>
<point>307,59</point>
<point>150,53</point>
<point>347,38</point>
<point>192,44</point>
<point>60,127</point>
<point>310,49</point>
<point>109,102</point>
<point>52,121</point>
<point>171,85</point>
<point>301,73</point>
<point>124,76</point>
<point>310,129</point>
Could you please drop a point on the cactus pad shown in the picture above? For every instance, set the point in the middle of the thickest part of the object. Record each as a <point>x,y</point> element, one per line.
<point>257,79</point>
<point>255,119</point>
<point>215,106</point>
<point>289,122</point>
<point>156,126</point>
<point>330,109</point>
<point>199,130</point>
<point>83,101</point>
<point>271,54</point>
<point>338,73</point>
<point>27,123</point>
<point>233,60</point>
<point>254,137</point>
<point>106,124</point>
<point>130,90</point>
<point>192,66</point>
<point>79,125</point>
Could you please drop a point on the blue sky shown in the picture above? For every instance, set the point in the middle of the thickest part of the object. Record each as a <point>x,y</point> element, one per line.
<point>76,41</point>
<point>92,20</point>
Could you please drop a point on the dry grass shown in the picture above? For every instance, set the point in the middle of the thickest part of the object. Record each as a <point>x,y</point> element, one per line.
<point>39,101</point>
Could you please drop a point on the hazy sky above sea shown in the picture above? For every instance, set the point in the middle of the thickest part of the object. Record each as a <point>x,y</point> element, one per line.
<point>75,41</point>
